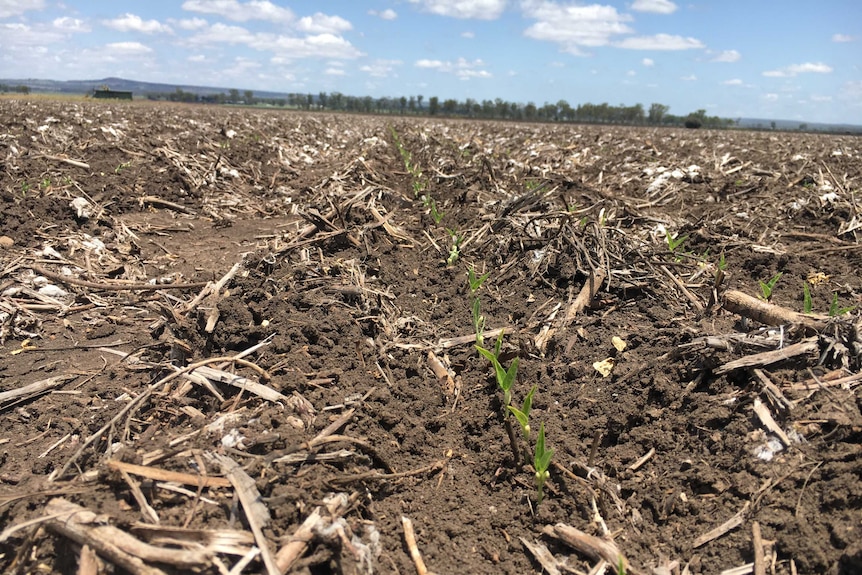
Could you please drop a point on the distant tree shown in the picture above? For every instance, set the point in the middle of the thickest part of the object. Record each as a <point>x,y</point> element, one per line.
<point>321,100</point>
<point>249,97</point>
<point>433,105</point>
<point>803,127</point>
<point>530,111</point>
<point>656,113</point>
<point>403,104</point>
<point>419,99</point>
<point>450,106</point>
<point>772,125</point>
<point>564,111</point>
<point>411,104</point>
<point>234,96</point>
<point>309,101</point>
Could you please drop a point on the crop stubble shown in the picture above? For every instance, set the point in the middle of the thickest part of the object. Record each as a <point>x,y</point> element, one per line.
<point>343,278</point>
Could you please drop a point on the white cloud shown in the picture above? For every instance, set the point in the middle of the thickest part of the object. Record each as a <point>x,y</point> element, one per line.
<point>462,68</point>
<point>335,72</point>
<point>468,34</point>
<point>388,14</point>
<point>464,9</point>
<point>843,38</point>
<point>128,49</point>
<point>770,97</point>
<point>197,58</point>
<point>190,23</point>
<point>287,48</point>
<point>727,56</point>
<point>66,24</point>
<point>573,27</point>
<point>655,6</point>
<point>816,98</point>
<point>690,78</point>
<point>15,7</point>
<point>240,11</point>
<point>134,23</point>
<point>648,62</point>
<point>794,69</point>
<point>660,42</point>
<point>381,68</point>
<point>323,24</point>
<point>733,82</point>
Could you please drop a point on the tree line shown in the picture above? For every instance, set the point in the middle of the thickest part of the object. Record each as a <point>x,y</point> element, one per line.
<point>497,109</point>
<point>20,89</point>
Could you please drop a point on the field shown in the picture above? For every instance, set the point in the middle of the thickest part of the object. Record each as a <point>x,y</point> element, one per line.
<point>245,337</point>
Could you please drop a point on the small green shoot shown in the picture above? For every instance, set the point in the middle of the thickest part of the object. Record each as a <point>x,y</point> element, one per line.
<point>722,263</point>
<point>621,565</point>
<point>766,288</point>
<point>505,377</point>
<point>475,281</point>
<point>835,310</point>
<point>478,322</point>
<point>541,461</point>
<point>122,167</point>
<point>436,215</point>
<point>674,242</point>
<point>523,414</point>
<point>807,305</point>
<point>455,250</point>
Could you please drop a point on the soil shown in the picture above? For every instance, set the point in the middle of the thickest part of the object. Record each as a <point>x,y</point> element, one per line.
<point>344,279</point>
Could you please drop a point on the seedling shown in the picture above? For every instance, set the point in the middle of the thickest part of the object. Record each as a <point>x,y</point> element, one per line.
<point>674,242</point>
<point>541,461</point>
<point>474,281</point>
<point>455,250</point>
<point>122,167</point>
<point>834,310</point>
<point>807,305</point>
<point>768,287</point>
<point>505,377</point>
<point>478,321</point>
<point>523,414</point>
<point>435,214</point>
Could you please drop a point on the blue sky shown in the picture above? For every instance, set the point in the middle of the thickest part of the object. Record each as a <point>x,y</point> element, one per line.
<point>758,58</point>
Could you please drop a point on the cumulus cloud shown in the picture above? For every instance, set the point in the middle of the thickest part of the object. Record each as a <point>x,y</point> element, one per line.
<point>654,6</point>
<point>335,72</point>
<point>795,69</point>
<point>464,9</point>
<point>240,11</point>
<point>388,14</point>
<point>462,68</point>
<point>727,56</point>
<point>733,82</point>
<point>323,24</point>
<point>66,24</point>
<point>128,48</point>
<point>770,97</point>
<point>573,27</point>
<point>134,23</point>
<point>843,38</point>
<point>10,8</point>
<point>287,48</point>
<point>468,35</point>
<point>689,78</point>
<point>660,42</point>
<point>648,62</point>
<point>381,68</point>
<point>190,23</point>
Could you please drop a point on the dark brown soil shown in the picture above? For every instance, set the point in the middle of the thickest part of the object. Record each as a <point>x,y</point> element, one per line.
<point>344,275</point>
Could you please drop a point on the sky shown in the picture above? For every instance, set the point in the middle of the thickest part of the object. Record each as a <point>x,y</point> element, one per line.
<point>773,59</point>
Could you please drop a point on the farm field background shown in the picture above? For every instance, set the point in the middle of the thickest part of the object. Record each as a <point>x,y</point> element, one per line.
<point>318,265</point>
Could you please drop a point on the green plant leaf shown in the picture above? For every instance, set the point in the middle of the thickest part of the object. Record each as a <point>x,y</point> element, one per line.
<point>835,310</point>
<point>766,288</point>
<point>807,305</point>
<point>523,419</point>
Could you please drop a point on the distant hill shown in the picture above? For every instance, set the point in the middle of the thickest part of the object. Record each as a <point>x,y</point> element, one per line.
<point>87,87</point>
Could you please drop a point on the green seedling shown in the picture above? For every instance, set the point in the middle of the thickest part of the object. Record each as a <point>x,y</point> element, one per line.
<point>835,310</point>
<point>722,263</point>
<point>621,565</point>
<point>122,167</point>
<point>478,321</point>
<point>766,288</point>
<point>435,214</point>
<point>674,242</point>
<point>45,184</point>
<point>505,377</point>
<point>455,250</point>
<point>25,187</point>
<point>807,305</point>
<point>541,461</point>
<point>475,281</point>
<point>523,414</point>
